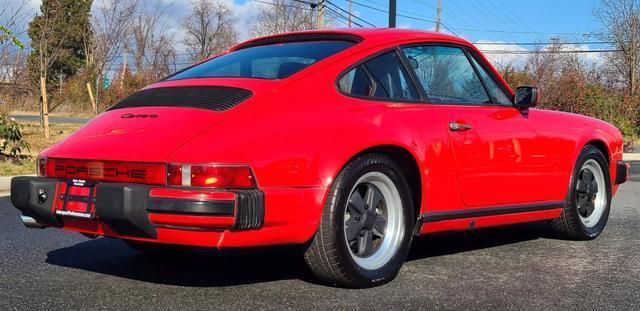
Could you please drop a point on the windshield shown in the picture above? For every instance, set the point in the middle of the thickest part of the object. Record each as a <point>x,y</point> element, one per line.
<point>276,61</point>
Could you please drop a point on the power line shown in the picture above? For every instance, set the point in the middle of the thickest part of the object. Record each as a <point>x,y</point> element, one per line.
<point>350,14</point>
<point>339,14</point>
<point>404,15</point>
<point>286,5</point>
<point>550,52</point>
<point>544,43</point>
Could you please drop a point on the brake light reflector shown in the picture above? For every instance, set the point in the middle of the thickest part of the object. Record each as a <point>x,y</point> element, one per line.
<point>211,176</point>
<point>174,175</point>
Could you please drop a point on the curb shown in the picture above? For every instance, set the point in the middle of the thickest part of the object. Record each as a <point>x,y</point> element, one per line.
<point>5,182</point>
<point>631,156</point>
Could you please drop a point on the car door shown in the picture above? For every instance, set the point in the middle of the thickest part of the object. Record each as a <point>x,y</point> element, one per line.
<point>499,156</point>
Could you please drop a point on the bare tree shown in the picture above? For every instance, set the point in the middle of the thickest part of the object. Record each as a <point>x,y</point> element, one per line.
<point>282,16</point>
<point>621,22</point>
<point>209,29</point>
<point>112,25</point>
<point>13,17</point>
<point>153,52</point>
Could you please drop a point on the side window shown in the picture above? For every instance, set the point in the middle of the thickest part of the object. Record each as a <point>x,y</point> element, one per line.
<point>447,75</point>
<point>497,94</point>
<point>382,77</point>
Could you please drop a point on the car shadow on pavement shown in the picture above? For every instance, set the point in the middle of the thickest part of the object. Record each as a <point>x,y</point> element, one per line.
<point>458,242</point>
<point>196,268</point>
<point>209,268</point>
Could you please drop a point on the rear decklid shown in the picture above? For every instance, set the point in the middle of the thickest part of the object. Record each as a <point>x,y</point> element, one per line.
<point>149,125</point>
<point>135,134</point>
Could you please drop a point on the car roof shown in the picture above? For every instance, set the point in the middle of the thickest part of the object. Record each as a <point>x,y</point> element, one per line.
<point>369,36</point>
<point>373,37</point>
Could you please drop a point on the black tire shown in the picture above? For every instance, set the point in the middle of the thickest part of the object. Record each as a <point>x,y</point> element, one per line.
<point>569,224</point>
<point>154,249</point>
<point>329,256</point>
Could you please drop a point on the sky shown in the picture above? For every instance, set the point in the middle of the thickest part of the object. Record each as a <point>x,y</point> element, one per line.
<point>488,23</point>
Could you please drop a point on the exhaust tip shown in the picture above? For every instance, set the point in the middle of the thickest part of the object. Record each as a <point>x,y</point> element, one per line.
<point>29,222</point>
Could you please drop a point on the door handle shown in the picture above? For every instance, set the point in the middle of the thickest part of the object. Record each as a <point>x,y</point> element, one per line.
<point>459,127</point>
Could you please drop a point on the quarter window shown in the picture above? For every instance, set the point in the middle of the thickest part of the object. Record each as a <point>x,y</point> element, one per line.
<point>446,75</point>
<point>382,77</point>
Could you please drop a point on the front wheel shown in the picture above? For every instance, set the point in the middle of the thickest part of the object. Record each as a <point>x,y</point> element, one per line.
<point>589,197</point>
<point>366,225</point>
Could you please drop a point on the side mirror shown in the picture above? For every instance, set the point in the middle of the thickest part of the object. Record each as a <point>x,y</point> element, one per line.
<point>526,96</point>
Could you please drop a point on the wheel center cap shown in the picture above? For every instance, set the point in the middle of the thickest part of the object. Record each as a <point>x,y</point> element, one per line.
<point>369,218</point>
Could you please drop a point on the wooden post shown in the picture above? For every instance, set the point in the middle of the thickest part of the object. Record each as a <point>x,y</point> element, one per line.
<point>45,106</point>
<point>93,100</point>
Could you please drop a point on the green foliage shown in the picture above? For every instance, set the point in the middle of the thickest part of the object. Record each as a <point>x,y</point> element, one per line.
<point>572,91</point>
<point>13,142</point>
<point>59,34</point>
<point>7,35</point>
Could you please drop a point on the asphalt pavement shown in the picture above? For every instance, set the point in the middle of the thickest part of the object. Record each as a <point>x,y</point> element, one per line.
<point>52,119</point>
<point>516,267</point>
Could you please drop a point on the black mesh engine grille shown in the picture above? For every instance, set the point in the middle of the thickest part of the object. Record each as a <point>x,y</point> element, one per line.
<point>217,98</point>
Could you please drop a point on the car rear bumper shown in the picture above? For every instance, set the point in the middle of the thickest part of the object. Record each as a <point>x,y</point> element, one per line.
<point>622,172</point>
<point>233,218</point>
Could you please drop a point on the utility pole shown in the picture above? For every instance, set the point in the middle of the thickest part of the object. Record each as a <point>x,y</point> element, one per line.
<point>438,9</point>
<point>350,11</point>
<point>320,12</point>
<point>392,13</point>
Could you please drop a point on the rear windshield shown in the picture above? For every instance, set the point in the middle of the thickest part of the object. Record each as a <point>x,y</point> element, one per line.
<point>276,61</point>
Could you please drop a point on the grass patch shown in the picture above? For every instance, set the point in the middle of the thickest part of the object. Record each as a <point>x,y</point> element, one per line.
<point>34,136</point>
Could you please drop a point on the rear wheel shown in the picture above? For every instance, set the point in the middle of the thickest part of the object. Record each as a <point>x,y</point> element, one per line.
<point>589,197</point>
<point>366,225</point>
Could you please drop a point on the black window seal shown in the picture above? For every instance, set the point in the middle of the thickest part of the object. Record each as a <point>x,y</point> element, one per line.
<point>484,84</point>
<point>464,48</point>
<point>372,98</point>
<point>492,76</point>
<point>412,75</point>
<point>374,82</point>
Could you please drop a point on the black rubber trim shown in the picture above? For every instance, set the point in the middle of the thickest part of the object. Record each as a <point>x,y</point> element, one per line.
<point>216,98</point>
<point>492,211</point>
<point>621,172</point>
<point>249,209</point>
<point>24,197</point>
<point>123,208</point>
<point>190,207</point>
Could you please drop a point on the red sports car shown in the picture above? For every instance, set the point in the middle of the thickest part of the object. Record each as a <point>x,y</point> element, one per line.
<point>347,142</point>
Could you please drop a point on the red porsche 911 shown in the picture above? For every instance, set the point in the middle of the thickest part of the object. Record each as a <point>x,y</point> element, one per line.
<point>346,142</point>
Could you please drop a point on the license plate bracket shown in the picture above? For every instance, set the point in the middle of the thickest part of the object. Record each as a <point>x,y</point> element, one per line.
<point>78,199</point>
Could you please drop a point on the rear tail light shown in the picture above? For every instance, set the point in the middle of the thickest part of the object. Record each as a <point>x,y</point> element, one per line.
<point>211,176</point>
<point>186,175</point>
